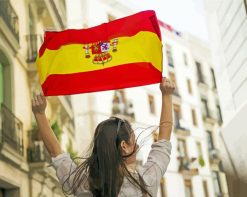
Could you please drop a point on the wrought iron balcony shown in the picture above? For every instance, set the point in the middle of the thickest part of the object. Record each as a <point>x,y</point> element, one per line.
<point>10,17</point>
<point>37,152</point>
<point>11,132</point>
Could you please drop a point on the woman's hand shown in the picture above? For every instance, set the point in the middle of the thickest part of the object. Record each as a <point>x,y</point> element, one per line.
<point>167,86</point>
<point>39,104</point>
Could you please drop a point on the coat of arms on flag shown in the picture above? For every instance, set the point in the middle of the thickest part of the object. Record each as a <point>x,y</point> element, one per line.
<point>123,53</point>
<point>101,51</point>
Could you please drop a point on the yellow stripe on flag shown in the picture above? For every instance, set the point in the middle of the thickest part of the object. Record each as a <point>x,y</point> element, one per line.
<point>143,47</point>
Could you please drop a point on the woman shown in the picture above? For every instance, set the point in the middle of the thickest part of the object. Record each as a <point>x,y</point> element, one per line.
<point>110,170</point>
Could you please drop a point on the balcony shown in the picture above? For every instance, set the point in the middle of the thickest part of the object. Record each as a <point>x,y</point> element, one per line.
<point>214,156</point>
<point>185,166</point>
<point>10,18</point>
<point>39,161</point>
<point>11,135</point>
<point>37,153</point>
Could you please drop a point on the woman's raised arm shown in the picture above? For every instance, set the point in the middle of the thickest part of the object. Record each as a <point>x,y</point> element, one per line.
<point>166,122</point>
<point>39,104</point>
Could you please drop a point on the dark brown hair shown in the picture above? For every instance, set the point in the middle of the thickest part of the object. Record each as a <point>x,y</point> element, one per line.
<point>104,169</point>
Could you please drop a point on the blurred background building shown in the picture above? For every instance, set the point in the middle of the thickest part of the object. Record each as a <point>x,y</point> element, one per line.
<point>227,24</point>
<point>24,161</point>
<point>196,165</point>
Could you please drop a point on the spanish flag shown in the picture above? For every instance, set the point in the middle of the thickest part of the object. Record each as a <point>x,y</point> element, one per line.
<point>123,53</point>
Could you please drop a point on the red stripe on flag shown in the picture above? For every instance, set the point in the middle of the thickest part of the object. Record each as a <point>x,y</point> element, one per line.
<point>123,76</point>
<point>127,26</point>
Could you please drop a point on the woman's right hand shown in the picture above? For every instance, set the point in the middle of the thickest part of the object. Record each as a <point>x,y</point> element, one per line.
<point>167,87</point>
<point>39,104</point>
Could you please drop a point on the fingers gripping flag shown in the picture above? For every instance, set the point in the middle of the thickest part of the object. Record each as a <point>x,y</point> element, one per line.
<point>123,53</point>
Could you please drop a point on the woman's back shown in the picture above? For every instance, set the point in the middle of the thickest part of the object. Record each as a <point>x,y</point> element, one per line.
<point>151,172</point>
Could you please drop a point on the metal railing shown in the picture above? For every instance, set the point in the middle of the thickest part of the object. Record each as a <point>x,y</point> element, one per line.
<point>38,153</point>
<point>10,17</point>
<point>11,130</point>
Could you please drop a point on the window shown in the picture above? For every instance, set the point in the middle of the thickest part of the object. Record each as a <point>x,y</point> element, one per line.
<point>162,187</point>
<point>205,111</point>
<point>219,114</point>
<point>188,188</point>
<point>210,141</point>
<point>194,119</point>
<point>177,114</point>
<point>216,183</point>
<point>151,104</point>
<point>189,86</point>
<point>199,72</point>
<point>169,55</point>
<point>205,188</point>
<point>185,59</point>
<point>173,79</point>
<point>5,81</point>
<point>182,148</point>
<point>213,78</point>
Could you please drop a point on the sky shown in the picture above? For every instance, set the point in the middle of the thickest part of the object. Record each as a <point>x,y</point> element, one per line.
<point>183,15</point>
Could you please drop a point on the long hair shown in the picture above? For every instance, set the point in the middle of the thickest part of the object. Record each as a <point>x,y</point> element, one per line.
<point>105,169</point>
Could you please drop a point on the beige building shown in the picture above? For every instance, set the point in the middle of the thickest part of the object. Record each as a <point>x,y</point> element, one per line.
<point>24,170</point>
<point>227,24</point>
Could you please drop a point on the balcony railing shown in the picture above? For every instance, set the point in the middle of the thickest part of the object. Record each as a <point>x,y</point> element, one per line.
<point>32,47</point>
<point>11,131</point>
<point>37,153</point>
<point>10,17</point>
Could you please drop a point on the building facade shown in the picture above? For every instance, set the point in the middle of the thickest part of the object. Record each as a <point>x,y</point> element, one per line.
<point>227,24</point>
<point>24,161</point>
<point>195,168</point>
